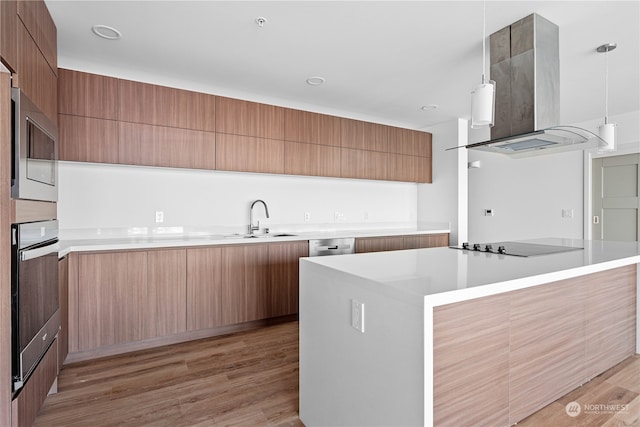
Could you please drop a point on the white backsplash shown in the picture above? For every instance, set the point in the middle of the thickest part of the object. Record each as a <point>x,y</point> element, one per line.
<point>116,200</point>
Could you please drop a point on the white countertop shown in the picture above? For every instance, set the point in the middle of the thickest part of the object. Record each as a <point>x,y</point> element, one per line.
<point>439,276</point>
<point>206,239</point>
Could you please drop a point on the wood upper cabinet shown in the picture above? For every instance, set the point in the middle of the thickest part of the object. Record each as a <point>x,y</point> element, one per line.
<point>166,292</point>
<point>313,128</point>
<point>361,135</point>
<point>249,154</point>
<point>87,95</point>
<point>284,272</point>
<point>164,106</point>
<point>244,283</point>
<point>38,22</point>
<point>311,159</point>
<point>409,142</point>
<point>36,79</point>
<point>85,139</point>
<point>204,288</point>
<point>364,164</point>
<point>238,117</point>
<point>408,168</point>
<point>8,33</point>
<point>141,144</point>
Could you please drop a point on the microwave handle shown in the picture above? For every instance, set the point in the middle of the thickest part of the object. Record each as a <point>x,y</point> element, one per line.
<point>38,252</point>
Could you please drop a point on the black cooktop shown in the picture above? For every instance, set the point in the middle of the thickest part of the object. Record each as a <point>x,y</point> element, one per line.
<point>521,249</point>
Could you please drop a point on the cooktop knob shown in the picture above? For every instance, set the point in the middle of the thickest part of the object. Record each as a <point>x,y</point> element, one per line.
<point>476,247</point>
<point>502,250</point>
<point>465,245</point>
<point>488,248</point>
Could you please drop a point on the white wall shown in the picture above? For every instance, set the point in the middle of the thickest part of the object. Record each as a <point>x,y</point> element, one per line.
<point>445,200</point>
<point>117,197</point>
<point>529,194</point>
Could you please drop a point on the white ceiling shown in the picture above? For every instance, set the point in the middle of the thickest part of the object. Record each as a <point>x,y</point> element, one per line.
<point>382,60</point>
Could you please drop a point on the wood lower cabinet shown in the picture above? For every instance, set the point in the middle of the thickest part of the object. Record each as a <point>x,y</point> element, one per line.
<point>204,288</point>
<point>471,363</point>
<point>396,243</point>
<point>610,310</point>
<point>500,358</point>
<point>63,297</point>
<point>244,283</point>
<point>284,273</point>
<point>166,292</point>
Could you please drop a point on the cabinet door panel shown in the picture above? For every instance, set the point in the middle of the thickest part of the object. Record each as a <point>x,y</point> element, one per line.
<point>111,297</point>
<point>63,297</point>
<point>141,144</point>
<point>314,128</point>
<point>87,95</point>
<point>184,109</point>
<point>409,142</point>
<point>311,159</point>
<point>610,311</point>
<point>137,102</point>
<point>167,292</point>
<point>409,168</point>
<point>361,135</point>
<point>244,282</point>
<point>36,78</point>
<point>282,292</point>
<point>471,362</point>
<point>426,241</point>
<point>547,345</point>
<point>248,154</point>
<point>238,117</point>
<point>85,139</point>
<point>8,32</point>
<point>379,244</point>
<point>204,288</point>
<point>363,164</point>
<point>38,22</point>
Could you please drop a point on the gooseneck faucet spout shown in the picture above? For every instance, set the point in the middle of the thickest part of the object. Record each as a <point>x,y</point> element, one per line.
<point>256,227</point>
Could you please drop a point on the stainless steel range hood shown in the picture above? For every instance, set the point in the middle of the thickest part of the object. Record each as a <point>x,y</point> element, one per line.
<point>525,64</point>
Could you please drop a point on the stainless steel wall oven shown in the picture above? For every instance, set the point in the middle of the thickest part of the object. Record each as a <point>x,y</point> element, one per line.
<point>34,172</point>
<point>35,304</point>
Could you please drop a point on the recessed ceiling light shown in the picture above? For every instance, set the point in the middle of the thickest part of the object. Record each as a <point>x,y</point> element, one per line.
<point>429,107</point>
<point>106,32</point>
<point>315,81</point>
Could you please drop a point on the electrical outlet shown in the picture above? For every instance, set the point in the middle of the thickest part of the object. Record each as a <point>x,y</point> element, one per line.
<point>567,213</point>
<point>159,217</point>
<point>357,315</point>
<point>338,216</point>
<point>489,212</point>
<point>307,217</point>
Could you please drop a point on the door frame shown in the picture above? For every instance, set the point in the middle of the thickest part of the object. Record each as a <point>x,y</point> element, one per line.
<point>589,156</point>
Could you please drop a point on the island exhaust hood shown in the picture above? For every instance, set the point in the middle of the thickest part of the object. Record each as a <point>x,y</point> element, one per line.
<point>525,64</point>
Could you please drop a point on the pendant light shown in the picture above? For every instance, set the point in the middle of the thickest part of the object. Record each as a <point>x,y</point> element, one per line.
<point>484,95</point>
<point>607,131</point>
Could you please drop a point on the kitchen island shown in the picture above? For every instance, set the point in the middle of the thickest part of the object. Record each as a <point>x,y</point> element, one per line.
<point>449,337</point>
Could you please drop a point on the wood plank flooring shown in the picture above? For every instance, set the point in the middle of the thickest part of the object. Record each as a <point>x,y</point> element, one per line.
<point>251,379</point>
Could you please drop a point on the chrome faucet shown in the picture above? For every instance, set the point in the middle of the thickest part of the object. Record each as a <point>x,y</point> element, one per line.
<point>252,227</point>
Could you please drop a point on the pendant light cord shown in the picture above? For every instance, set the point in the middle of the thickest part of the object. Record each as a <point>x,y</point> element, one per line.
<point>606,87</point>
<point>484,32</point>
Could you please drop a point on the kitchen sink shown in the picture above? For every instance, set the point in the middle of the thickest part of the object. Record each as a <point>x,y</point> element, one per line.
<point>259,236</point>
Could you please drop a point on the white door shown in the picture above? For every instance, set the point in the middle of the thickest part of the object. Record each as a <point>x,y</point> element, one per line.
<point>616,202</point>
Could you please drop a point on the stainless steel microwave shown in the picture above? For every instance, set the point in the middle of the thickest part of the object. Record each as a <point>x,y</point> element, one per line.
<point>34,172</point>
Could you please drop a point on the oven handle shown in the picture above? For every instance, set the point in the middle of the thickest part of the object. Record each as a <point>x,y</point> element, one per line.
<point>38,252</point>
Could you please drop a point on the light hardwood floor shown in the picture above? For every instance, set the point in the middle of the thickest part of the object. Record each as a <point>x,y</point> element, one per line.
<point>251,379</point>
